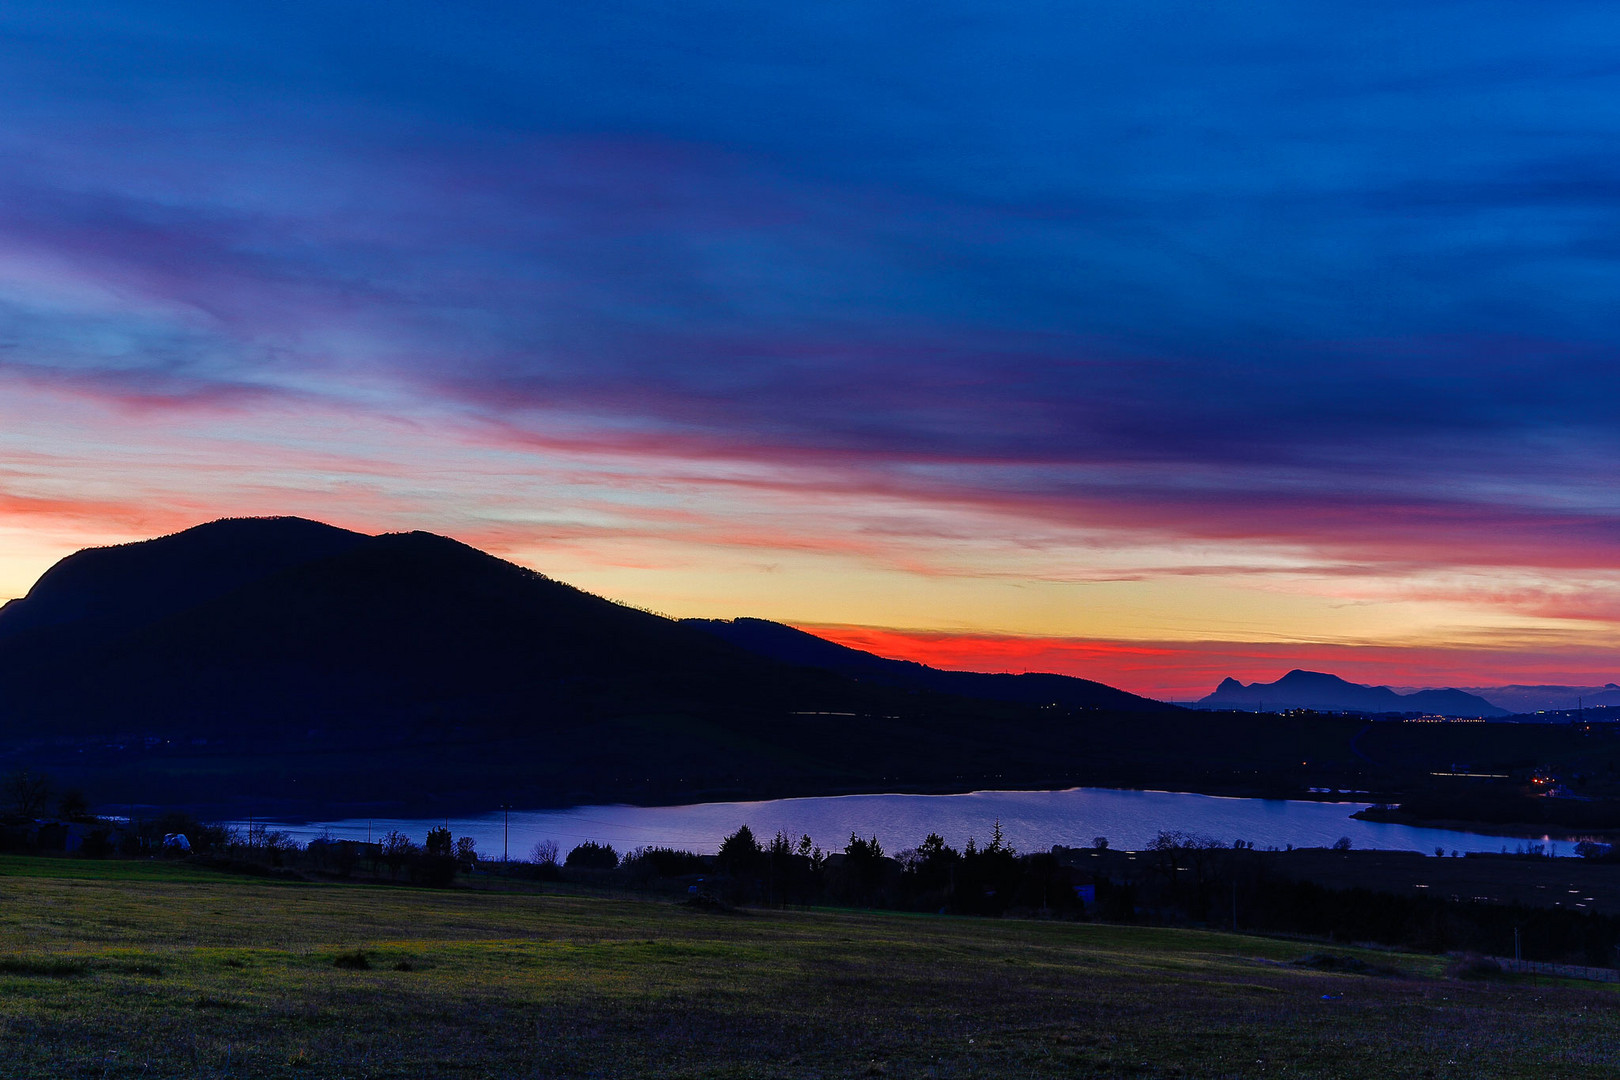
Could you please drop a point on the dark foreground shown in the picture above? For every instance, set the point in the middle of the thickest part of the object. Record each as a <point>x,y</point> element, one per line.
<point>156,970</point>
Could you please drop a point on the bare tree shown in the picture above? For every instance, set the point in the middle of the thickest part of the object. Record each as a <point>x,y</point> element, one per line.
<point>545,852</point>
<point>73,806</point>
<point>27,793</point>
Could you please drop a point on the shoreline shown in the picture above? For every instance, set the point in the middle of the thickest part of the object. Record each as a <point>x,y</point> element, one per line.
<point>1511,830</point>
<point>265,810</point>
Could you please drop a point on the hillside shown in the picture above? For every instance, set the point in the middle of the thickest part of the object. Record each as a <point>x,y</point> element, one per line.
<point>791,646</point>
<point>152,968</point>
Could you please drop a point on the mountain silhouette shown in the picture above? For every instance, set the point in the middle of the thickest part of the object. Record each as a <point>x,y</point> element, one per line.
<point>1519,698</point>
<point>1329,693</point>
<point>286,659</point>
<point>100,592</point>
<point>793,646</point>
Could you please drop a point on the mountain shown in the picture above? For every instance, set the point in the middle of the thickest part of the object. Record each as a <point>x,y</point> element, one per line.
<point>281,660</point>
<point>792,646</point>
<point>100,592</point>
<point>1532,699</point>
<point>1329,693</point>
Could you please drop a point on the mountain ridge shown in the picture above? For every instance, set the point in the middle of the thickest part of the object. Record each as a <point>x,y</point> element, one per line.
<point>1301,689</point>
<point>794,646</point>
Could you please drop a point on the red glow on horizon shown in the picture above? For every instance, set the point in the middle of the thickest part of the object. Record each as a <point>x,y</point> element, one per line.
<point>1186,670</point>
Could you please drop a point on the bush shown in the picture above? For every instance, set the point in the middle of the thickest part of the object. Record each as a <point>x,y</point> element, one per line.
<point>1475,967</point>
<point>592,856</point>
<point>664,862</point>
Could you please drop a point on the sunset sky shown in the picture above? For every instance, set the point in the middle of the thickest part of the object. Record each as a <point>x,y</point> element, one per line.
<point>1150,342</point>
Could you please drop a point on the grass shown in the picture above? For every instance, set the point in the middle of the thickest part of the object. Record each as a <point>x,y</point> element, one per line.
<point>155,970</point>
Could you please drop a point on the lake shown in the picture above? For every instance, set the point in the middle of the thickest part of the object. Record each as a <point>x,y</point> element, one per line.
<point>1030,820</point>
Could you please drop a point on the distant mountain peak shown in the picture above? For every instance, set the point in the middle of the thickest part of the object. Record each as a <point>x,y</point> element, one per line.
<point>1326,692</point>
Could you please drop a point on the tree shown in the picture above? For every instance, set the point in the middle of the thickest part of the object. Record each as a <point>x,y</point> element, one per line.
<point>740,853</point>
<point>863,868</point>
<point>783,869</point>
<point>807,849</point>
<point>27,793</point>
<point>987,877</point>
<point>397,849</point>
<point>73,805</point>
<point>545,852</point>
<point>863,850</point>
<point>466,854</point>
<point>437,865</point>
<point>930,870</point>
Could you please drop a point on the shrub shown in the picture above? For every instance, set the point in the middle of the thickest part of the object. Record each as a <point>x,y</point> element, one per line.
<point>1475,967</point>
<point>592,856</point>
<point>664,862</point>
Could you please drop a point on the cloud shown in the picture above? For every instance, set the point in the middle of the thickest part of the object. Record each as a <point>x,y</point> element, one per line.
<point>1266,288</point>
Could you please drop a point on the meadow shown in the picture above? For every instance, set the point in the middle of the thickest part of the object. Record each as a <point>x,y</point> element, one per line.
<point>160,969</point>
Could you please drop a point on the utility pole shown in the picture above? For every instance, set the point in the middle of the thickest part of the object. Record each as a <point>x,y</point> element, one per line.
<point>506,829</point>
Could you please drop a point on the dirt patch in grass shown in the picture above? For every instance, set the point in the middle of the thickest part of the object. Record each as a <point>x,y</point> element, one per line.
<point>1347,965</point>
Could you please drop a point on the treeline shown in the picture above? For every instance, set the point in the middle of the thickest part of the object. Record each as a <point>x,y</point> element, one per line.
<point>1188,880</point>
<point>36,819</point>
<point>1179,880</point>
<point>978,880</point>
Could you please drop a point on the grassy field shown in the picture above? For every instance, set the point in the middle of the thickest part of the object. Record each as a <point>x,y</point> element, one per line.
<point>123,969</point>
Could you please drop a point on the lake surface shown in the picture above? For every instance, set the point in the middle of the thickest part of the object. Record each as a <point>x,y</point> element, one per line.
<point>1030,820</point>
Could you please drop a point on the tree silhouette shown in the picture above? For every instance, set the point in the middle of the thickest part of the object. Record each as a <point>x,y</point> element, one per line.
<point>397,849</point>
<point>27,793</point>
<point>740,853</point>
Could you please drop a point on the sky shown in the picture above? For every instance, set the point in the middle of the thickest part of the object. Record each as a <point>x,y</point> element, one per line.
<point>1150,342</point>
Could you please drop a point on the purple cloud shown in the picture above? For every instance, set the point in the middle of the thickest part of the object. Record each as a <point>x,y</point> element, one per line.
<point>1268,274</point>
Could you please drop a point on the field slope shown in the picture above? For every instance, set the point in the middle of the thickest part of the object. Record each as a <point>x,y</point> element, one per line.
<point>113,970</point>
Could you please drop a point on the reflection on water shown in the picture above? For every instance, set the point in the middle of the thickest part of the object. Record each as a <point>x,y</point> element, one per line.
<point>1030,820</point>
